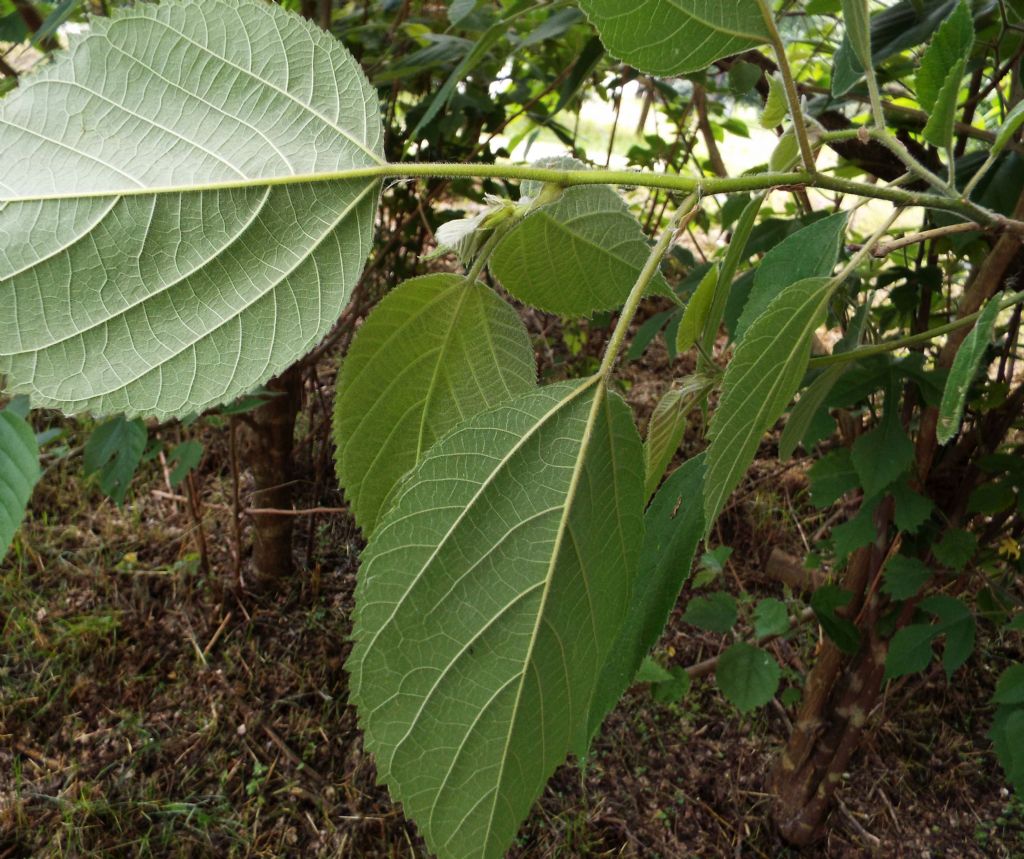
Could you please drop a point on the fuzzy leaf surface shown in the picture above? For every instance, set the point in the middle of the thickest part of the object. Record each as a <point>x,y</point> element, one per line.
<point>963,372</point>
<point>580,253</point>
<point>437,350</point>
<point>489,597</point>
<point>19,471</point>
<point>157,254</point>
<point>670,37</point>
<point>761,379</point>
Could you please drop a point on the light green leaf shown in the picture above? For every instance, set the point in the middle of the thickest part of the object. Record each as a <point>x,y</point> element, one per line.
<point>776,107</point>
<point>761,379</point>
<point>667,427</point>
<point>771,617</point>
<point>942,67</point>
<point>671,37</point>
<point>581,253</point>
<point>695,316</point>
<point>19,471</point>
<point>113,451</point>
<point>858,29</point>
<point>963,372</point>
<point>489,597</point>
<point>157,249</point>
<point>673,526</point>
<point>747,676</point>
<point>806,409</point>
<point>437,350</point>
<point>460,9</point>
<point>1011,125</point>
<point>809,252</point>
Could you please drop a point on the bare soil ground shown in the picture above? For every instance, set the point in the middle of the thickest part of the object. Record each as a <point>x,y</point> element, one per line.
<point>147,708</point>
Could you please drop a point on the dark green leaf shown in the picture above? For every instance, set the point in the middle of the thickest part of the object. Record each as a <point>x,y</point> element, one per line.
<point>673,526</point>
<point>832,477</point>
<point>19,471</point>
<point>905,576</point>
<point>825,601</point>
<point>184,457</point>
<point>910,650</point>
<point>858,531</point>
<point>1008,741</point>
<point>965,368</point>
<point>114,451</point>
<point>882,455</point>
<point>807,409</point>
<point>942,67</point>
<point>713,613</point>
<point>957,623</point>
<point>747,676</point>
<point>956,549</point>
<point>1010,686</point>
<point>912,508</point>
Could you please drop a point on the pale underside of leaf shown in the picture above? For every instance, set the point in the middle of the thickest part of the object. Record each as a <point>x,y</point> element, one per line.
<point>19,471</point>
<point>135,282</point>
<point>963,372</point>
<point>489,596</point>
<point>437,350</point>
<point>576,255</point>
<point>667,37</point>
<point>761,379</point>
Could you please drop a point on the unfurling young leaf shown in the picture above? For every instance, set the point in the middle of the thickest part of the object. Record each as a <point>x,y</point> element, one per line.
<point>667,427</point>
<point>671,38</point>
<point>447,349</point>
<point>171,121</point>
<point>963,372</point>
<point>489,598</point>
<point>19,471</point>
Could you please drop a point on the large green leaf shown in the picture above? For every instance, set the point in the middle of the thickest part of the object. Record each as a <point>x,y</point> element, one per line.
<point>671,37</point>
<point>809,252</point>
<point>965,368</point>
<point>761,379</point>
<point>438,349</point>
<point>581,253</point>
<point>673,526</point>
<point>489,597</point>
<point>19,471</point>
<point>158,253</point>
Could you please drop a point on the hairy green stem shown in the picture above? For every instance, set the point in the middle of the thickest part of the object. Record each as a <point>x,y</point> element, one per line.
<point>703,186</point>
<point>792,95</point>
<point>485,253</point>
<point>903,342</point>
<point>682,215</point>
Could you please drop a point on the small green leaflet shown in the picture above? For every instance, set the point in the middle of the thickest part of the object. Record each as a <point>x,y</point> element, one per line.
<point>671,37</point>
<point>761,379</point>
<point>832,477</point>
<point>747,676</point>
<point>488,600</point>
<point>956,549</point>
<point>825,601</point>
<point>714,613</point>
<point>695,316</point>
<point>166,292</point>
<point>438,349</point>
<point>1011,125</point>
<point>776,106</point>
<point>905,576</point>
<point>956,622</point>
<point>910,650</point>
<point>673,526</point>
<point>771,617</point>
<point>1010,686</point>
<point>667,427</point>
<point>19,471</point>
<point>858,531</point>
<point>1008,741</point>
<point>809,252</point>
<point>942,67</point>
<point>912,508</point>
<point>573,256</point>
<point>965,368</point>
<point>113,451</point>
<point>806,409</point>
<point>185,457</point>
